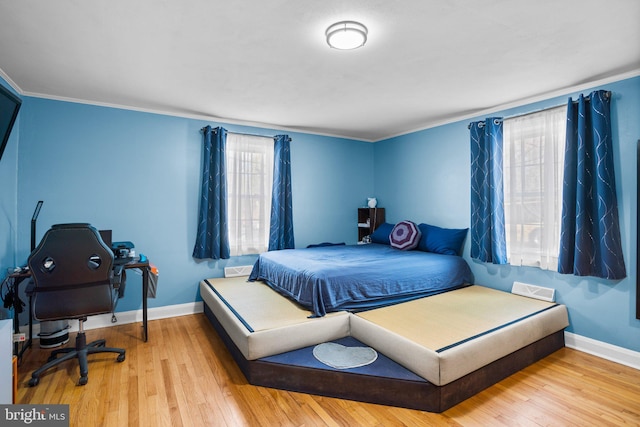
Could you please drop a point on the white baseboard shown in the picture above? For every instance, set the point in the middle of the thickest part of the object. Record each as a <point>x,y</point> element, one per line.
<point>577,342</point>
<point>125,317</point>
<point>601,349</point>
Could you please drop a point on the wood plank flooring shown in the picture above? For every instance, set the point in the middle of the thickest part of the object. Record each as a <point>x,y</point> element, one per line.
<point>184,376</point>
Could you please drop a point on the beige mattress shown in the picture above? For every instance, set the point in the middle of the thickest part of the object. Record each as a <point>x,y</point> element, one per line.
<point>262,323</point>
<point>441,337</point>
<point>446,336</point>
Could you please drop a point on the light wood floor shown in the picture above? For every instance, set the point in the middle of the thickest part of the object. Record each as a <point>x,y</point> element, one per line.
<point>184,376</point>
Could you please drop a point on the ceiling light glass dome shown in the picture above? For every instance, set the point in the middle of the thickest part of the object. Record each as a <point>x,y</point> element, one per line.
<point>346,35</point>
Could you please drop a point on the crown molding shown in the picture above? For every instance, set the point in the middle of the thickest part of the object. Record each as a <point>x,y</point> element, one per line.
<point>11,83</point>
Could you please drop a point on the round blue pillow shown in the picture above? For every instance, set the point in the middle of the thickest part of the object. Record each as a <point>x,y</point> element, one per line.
<point>405,236</point>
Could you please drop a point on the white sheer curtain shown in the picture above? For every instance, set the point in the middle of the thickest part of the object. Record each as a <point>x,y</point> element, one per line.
<point>533,171</point>
<point>249,185</point>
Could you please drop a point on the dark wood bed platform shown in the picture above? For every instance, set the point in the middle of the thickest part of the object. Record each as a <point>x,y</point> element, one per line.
<point>422,364</point>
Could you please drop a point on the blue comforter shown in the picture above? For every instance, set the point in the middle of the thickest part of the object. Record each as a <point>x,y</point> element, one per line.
<point>357,277</point>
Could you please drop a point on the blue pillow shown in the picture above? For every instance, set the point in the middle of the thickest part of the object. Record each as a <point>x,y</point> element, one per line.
<point>382,233</point>
<point>405,236</point>
<point>447,241</point>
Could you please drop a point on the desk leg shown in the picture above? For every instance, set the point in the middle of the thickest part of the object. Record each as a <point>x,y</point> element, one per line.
<point>145,292</point>
<point>30,318</point>
<point>30,337</point>
<point>16,320</point>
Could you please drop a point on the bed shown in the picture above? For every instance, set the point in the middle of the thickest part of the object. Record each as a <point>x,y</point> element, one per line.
<point>358,277</point>
<point>440,338</point>
<point>434,352</point>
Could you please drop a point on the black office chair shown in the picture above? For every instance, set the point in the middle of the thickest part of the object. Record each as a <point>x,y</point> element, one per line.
<point>72,269</point>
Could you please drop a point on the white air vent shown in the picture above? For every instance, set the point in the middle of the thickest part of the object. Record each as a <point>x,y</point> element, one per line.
<point>237,271</point>
<point>533,291</point>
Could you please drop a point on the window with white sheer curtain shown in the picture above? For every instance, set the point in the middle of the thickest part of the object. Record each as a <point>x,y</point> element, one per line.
<point>533,172</point>
<point>249,187</point>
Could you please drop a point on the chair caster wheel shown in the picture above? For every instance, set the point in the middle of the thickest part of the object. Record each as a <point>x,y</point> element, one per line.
<point>51,358</point>
<point>120,358</point>
<point>83,380</point>
<point>34,382</point>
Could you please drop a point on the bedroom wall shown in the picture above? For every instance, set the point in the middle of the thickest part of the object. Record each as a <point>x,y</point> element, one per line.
<point>425,177</point>
<point>138,174</point>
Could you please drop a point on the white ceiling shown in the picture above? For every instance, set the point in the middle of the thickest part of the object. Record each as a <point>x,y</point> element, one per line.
<point>266,63</point>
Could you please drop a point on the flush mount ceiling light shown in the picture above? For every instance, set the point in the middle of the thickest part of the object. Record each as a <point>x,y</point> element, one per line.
<point>346,35</point>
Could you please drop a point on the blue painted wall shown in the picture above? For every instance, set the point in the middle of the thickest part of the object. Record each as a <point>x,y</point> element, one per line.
<point>139,174</point>
<point>425,177</point>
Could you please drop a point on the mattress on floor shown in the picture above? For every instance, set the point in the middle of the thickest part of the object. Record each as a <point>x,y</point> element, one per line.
<point>262,322</point>
<point>447,336</point>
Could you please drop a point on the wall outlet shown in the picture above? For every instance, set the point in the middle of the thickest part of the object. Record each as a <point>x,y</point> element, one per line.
<point>21,337</point>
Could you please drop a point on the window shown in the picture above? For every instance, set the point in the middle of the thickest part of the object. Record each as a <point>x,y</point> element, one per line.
<point>533,173</point>
<point>249,185</point>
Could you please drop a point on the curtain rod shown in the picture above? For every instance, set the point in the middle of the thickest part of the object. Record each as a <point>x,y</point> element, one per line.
<point>244,133</point>
<point>607,94</point>
<point>252,134</point>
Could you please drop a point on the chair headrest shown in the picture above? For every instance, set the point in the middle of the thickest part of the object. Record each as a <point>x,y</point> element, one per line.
<point>71,254</point>
<point>71,225</point>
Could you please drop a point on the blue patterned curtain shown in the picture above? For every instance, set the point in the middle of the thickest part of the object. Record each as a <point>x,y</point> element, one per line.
<point>212,240</point>
<point>488,241</point>
<point>590,242</point>
<point>281,230</point>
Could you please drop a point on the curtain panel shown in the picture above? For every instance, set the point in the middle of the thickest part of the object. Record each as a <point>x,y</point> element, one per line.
<point>534,158</point>
<point>249,191</point>
<point>212,240</point>
<point>590,243</point>
<point>488,243</point>
<point>281,226</point>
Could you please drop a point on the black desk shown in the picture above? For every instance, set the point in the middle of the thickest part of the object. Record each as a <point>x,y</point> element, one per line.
<point>19,277</point>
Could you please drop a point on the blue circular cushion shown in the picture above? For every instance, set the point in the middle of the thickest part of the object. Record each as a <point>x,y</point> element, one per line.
<point>405,236</point>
